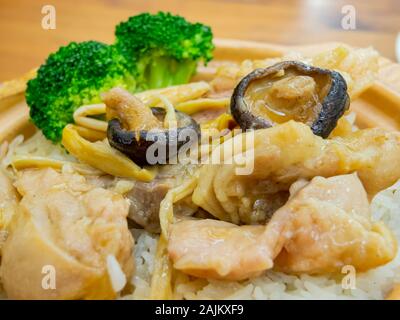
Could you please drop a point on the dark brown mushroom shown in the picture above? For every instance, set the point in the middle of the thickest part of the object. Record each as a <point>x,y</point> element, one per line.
<point>290,90</point>
<point>135,144</point>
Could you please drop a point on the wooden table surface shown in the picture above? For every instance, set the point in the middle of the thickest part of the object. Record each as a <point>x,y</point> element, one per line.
<point>24,44</point>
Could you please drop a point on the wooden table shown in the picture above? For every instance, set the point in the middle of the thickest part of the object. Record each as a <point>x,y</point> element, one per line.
<point>25,44</point>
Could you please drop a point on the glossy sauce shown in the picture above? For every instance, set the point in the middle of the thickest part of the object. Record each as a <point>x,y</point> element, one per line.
<point>290,96</point>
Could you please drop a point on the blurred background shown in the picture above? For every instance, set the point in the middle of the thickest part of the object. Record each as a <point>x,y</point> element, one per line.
<point>24,44</point>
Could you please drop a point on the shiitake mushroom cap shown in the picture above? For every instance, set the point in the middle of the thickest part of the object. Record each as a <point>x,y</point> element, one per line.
<point>331,108</point>
<point>135,144</point>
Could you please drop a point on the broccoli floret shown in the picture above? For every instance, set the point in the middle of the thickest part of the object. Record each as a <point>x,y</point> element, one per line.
<point>73,76</point>
<point>151,51</point>
<point>163,49</point>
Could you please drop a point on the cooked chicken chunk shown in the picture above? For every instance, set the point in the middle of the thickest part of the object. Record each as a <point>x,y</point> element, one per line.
<point>325,225</point>
<point>145,197</point>
<point>283,154</point>
<point>218,249</point>
<point>8,206</point>
<point>75,227</point>
<point>331,226</point>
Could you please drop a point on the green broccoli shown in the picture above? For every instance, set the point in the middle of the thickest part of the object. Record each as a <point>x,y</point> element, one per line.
<point>151,51</point>
<point>163,49</point>
<point>73,76</point>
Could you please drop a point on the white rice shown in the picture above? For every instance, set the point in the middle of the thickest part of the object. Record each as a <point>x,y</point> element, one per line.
<point>374,284</point>
<point>145,251</point>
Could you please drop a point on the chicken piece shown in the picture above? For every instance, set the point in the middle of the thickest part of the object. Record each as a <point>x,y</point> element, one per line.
<point>331,226</point>
<point>77,228</point>
<point>220,250</point>
<point>145,197</point>
<point>325,225</point>
<point>130,110</point>
<point>8,206</point>
<point>281,155</point>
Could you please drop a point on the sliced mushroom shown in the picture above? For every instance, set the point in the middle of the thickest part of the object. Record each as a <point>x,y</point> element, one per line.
<point>135,140</point>
<point>290,90</point>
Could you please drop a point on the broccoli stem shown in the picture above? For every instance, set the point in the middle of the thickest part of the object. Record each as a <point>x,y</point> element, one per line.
<point>164,71</point>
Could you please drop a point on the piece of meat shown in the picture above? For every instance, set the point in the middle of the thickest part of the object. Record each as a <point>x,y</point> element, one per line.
<point>145,197</point>
<point>218,249</point>
<point>325,225</point>
<point>277,157</point>
<point>8,206</point>
<point>331,226</point>
<point>130,110</point>
<point>64,222</point>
